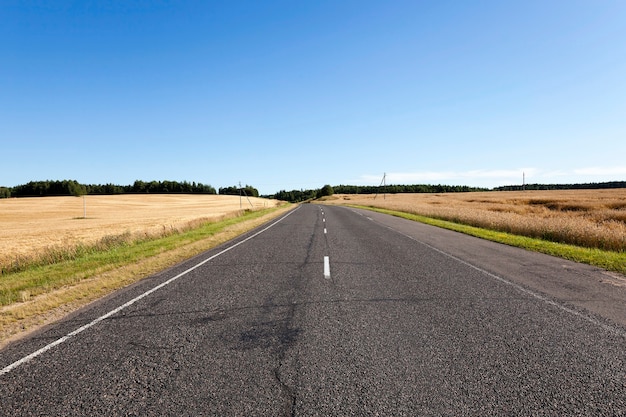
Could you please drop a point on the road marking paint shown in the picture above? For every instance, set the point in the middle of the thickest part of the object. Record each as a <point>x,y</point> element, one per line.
<point>326,267</point>
<point>324,220</point>
<point>65,338</point>
<point>325,231</point>
<point>611,329</point>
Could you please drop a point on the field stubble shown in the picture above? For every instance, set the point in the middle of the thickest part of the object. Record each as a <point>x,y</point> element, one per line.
<point>586,218</point>
<point>49,229</point>
<point>123,239</point>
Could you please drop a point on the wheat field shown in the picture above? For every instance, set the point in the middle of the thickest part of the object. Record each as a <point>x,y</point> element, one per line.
<point>30,227</point>
<point>588,218</point>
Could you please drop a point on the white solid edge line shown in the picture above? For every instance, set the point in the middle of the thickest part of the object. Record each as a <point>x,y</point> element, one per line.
<point>63,339</point>
<point>607,327</point>
<point>590,319</point>
<point>326,267</point>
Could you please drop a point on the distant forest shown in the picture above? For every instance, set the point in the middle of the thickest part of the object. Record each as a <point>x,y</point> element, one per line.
<point>586,186</point>
<point>73,188</point>
<point>296,196</point>
<point>248,190</point>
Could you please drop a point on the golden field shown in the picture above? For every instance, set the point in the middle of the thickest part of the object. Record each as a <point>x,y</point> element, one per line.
<point>588,218</point>
<point>31,227</point>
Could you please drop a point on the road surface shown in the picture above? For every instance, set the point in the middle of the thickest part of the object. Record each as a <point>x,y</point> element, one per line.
<point>337,311</point>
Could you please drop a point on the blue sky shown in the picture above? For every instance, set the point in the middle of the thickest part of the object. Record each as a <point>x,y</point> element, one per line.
<point>298,94</point>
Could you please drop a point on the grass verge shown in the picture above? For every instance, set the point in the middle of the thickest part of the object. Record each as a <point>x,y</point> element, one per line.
<point>42,294</point>
<point>609,260</point>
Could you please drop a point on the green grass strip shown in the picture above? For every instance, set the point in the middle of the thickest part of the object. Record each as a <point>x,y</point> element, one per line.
<point>38,280</point>
<point>609,260</point>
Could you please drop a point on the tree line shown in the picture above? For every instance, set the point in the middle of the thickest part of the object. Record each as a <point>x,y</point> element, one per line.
<point>584,186</point>
<point>248,190</point>
<point>297,196</point>
<point>74,188</point>
<point>398,189</point>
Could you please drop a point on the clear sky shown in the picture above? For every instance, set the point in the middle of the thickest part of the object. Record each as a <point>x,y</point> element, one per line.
<point>298,94</point>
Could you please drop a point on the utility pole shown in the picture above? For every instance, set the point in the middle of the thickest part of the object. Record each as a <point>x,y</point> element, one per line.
<point>523,181</point>
<point>384,184</point>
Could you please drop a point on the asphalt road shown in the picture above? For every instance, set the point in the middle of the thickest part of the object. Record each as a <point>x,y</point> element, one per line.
<point>335,311</point>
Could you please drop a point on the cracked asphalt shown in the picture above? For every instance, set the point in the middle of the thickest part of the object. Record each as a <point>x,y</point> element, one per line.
<point>413,320</point>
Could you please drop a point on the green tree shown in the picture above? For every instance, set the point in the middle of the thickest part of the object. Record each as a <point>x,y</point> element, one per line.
<point>325,191</point>
<point>249,190</point>
<point>75,189</point>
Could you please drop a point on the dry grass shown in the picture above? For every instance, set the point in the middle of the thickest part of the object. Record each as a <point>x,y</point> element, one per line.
<point>587,218</point>
<point>44,230</point>
<point>34,311</point>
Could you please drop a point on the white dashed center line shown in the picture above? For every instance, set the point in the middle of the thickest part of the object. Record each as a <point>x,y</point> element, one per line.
<point>326,267</point>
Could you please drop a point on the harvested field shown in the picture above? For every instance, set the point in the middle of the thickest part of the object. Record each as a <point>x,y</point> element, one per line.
<point>33,227</point>
<point>587,218</point>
